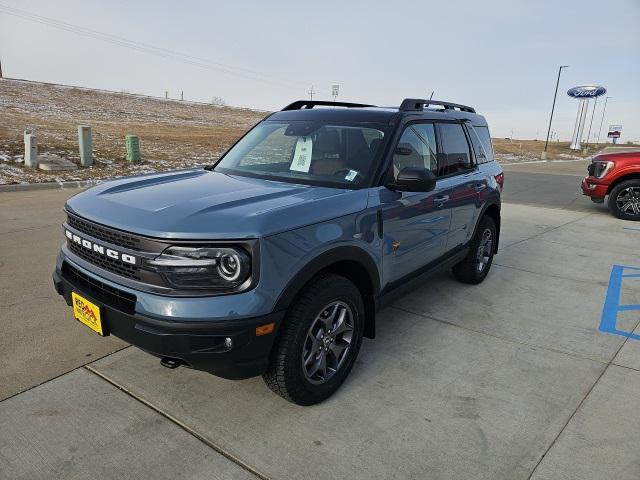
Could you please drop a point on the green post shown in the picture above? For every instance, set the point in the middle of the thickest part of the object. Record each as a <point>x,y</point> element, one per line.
<point>133,148</point>
<point>86,147</point>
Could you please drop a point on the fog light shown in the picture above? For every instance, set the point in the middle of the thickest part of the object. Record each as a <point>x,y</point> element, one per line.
<point>228,343</point>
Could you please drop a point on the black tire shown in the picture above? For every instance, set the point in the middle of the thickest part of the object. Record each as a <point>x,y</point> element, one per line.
<point>627,189</point>
<point>468,270</point>
<point>286,374</point>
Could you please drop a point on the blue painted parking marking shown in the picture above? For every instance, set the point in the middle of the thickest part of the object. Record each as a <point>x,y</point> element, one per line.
<point>630,228</point>
<point>612,307</point>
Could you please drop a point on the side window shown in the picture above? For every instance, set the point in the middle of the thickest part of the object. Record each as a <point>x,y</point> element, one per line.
<point>478,148</point>
<point>456,155</point>
<point>416,148</point>
<point>485,138</point>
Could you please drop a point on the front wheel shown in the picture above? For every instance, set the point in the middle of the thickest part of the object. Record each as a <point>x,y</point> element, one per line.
<point>318,342</point>
<point>624,200</point>
<point>475,266</point>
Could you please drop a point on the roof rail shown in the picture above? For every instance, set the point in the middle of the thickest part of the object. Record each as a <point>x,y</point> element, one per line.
<point>306,104</point>
<point>418,104</point>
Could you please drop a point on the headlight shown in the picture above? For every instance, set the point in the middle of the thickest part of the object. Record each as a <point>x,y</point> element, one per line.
<point>600,169</point>
<point>213,268</point>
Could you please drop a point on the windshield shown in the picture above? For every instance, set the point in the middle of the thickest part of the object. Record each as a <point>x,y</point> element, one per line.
<point>317,153</point>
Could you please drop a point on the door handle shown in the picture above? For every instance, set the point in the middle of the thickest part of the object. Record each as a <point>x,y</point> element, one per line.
<point>480,186</point>
<point>441,200</point>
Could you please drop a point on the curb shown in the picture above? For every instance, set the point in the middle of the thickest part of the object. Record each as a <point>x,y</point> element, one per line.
<point>29,187</point>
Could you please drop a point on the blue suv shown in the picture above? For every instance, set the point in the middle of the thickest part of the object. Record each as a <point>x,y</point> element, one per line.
<point>274,260</point>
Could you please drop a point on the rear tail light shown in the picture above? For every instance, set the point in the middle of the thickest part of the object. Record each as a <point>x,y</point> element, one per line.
<point>500,179</point>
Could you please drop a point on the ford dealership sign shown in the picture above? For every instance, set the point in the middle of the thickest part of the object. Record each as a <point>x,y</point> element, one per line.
<point>586,91</point>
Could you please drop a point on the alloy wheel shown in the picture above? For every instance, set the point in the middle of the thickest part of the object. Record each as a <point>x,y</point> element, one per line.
<point>327,343</point>
<point>628,201</point>
<point>485,249</point>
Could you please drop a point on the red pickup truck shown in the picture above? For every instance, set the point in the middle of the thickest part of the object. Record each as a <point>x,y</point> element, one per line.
<point>618,176</point>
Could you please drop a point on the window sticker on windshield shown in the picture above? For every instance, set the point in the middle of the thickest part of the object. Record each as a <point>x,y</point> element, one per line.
<point>302,155</point>
<point>351,175</point>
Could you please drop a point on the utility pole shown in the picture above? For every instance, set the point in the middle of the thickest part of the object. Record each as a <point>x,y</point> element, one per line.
<point>166,94</point>
<point>602,119</point>
<point>544,153</point>
<point>182,95</point>
<point>1,69</point>
<point>311,92</point>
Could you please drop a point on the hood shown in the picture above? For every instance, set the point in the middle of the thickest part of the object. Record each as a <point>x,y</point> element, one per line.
<point>626,155</point>
<point>200,204</point>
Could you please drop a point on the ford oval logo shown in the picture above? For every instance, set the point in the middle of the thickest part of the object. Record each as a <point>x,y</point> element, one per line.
<point>586,91</point>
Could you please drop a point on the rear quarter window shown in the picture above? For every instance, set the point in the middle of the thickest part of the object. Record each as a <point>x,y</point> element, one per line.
<point>483,135</point>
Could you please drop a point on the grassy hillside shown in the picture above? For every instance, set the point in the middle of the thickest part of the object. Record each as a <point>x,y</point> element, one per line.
<point>173,134</point>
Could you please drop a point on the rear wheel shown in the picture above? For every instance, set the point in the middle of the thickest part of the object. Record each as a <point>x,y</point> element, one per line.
<point>624,200</point>
<point>318,342</point>
<point>475,266</point>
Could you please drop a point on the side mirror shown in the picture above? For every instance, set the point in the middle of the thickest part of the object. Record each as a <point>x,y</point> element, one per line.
<point>414,179</point>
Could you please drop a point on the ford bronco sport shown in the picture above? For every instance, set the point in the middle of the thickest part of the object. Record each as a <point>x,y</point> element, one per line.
<point>274,260</point>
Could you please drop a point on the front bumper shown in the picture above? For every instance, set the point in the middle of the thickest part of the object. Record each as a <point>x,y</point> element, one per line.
<point>594,187</point>
<point>199,345</point>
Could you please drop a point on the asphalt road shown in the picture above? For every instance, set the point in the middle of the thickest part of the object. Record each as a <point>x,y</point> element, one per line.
<point>510,379</point>
<point>547,190</point>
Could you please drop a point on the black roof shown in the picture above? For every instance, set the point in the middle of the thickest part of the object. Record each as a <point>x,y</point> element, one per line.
<point>355,112</point>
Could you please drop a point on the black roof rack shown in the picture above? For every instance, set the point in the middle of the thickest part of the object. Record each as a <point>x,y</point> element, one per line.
<point>418,104</point>
<point>300,104</point>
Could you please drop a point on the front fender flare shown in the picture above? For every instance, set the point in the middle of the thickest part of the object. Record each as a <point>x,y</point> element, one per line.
<point>325,260</point>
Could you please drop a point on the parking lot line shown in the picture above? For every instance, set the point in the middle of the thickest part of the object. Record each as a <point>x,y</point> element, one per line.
<point>612,306</point>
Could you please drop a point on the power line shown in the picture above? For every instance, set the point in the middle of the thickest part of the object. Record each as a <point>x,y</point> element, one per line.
<point>147,48</point>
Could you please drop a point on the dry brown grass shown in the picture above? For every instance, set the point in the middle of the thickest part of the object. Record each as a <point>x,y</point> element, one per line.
<point>534,148</point>
<point>173,134</point>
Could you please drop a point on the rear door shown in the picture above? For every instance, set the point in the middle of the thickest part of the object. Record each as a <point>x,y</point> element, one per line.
<point>460,173</point>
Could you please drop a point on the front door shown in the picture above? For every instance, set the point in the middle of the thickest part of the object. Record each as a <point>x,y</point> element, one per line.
<point>415,224</point>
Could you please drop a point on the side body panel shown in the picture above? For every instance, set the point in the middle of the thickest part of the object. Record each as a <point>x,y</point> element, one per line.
<point>415,229</point>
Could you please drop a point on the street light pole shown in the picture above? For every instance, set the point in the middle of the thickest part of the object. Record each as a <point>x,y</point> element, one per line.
<point>546,143</point>
<point>602,119</point>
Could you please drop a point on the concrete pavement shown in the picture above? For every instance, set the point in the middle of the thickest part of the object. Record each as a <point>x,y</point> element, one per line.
<point>78,426</point>
<point>35,341</point>
<point>510,379</point>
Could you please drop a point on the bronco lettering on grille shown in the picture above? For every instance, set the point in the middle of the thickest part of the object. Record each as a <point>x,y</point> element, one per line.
<point>100,249</point>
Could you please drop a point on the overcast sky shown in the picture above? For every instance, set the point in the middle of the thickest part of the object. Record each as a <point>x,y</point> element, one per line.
<point>501,57</point>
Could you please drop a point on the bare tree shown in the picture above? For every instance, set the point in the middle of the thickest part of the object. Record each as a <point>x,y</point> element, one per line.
<point>218,101</point>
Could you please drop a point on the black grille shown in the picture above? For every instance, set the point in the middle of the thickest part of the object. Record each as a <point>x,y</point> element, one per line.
<point>107,263</point>
<point>106,234</point>
<point>111,297</point>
